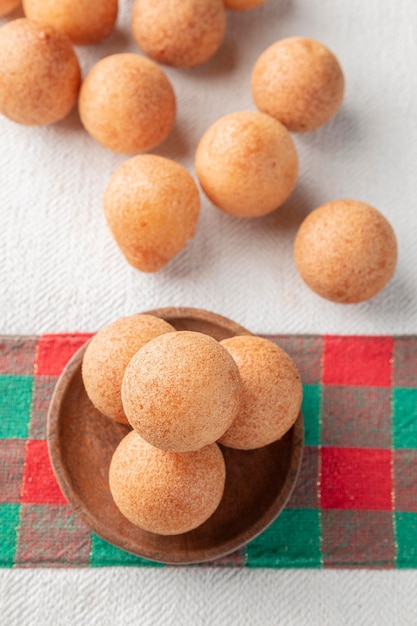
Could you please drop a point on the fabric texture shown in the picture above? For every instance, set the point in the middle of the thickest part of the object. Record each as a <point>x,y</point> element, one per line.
<point>355,502</point>
<point>61,270</point>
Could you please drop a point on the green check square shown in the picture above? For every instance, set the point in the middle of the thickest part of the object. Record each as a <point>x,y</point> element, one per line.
<point>15,403</point>
<point>406,539</point>
<point>9,523</point>
<point>404,418</point>
<point>104,554</point>
<point>311,409</point>
<point>293,540</point>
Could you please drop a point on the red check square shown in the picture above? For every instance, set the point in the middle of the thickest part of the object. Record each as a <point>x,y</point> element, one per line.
<point>54,352</point>
<point>39,483</point>
<point>358,361</point>
<point>356,478</point>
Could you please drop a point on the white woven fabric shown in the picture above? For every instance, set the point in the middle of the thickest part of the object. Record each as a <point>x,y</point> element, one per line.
<point>202,597</point>
<point>60,268</point>
<point>61,271</point>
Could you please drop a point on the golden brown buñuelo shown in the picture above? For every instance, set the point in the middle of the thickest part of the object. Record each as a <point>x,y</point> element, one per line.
<point>127,103</point>
<point>271,393</point>
<point>299,82</point>
<point>152,206</point>
<point>107,356</point>
<point>247,164</point>
<point>6,6</point>
<point>181,391</point>
<point>346,251</point>
<point>84,21</point>
<point>181,34</point>
<point>39,73</point>
<point>165,492</point>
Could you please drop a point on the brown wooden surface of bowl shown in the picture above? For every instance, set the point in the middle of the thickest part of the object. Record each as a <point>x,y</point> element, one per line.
<point>82,441</point>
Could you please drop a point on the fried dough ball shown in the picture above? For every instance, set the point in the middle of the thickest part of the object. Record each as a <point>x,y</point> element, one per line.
<point>247,164</point>
<point>271,393</point>
<point>346,251</point>
<point>299,82</point>
<point>84,21</point>
<point>165,492</point>
<point>7,6</point>
<point>181,391</point>
<point>182,34</point>
<point>127,103</point>
<point>39,73</point>
<point>152,206</point>
<point>243,5</point>
<point>108,354</point>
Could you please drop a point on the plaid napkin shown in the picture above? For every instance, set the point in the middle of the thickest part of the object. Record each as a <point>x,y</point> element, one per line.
<point>355,503</point>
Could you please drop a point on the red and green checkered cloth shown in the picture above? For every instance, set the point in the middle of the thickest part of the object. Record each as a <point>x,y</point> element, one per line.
<point>355,503</point>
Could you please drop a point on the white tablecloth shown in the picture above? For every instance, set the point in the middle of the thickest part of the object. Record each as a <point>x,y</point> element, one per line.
<point>61,271</point>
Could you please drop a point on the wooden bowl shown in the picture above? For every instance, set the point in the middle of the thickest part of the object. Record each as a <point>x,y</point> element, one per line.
<point>82,441</point>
